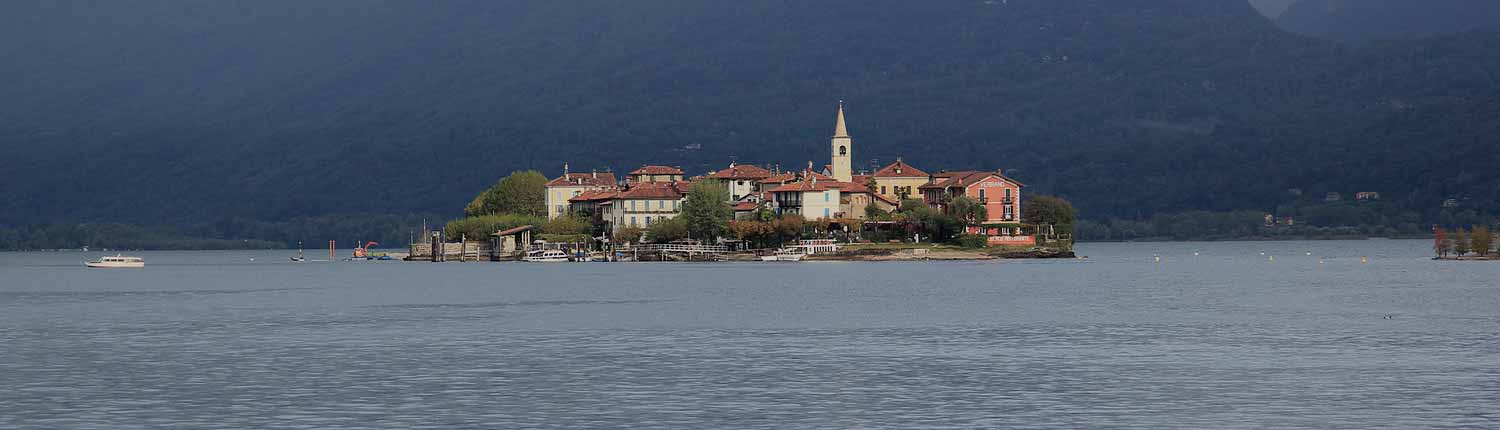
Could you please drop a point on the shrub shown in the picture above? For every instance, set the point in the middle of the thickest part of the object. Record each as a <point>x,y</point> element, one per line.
<point>972,241</point>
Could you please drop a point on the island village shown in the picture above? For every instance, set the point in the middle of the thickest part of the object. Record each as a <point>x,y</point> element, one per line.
<point>764,213</point>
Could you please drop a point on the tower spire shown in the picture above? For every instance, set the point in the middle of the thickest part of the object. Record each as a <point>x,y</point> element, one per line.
<point>839,129</point>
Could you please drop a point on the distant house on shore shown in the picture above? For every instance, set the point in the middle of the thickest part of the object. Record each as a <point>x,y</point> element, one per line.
<point>1000,195</point>
<point>570,185</point>
<point>656,174</point>
<point>1333,197</point>
<point>1366,196</point>
<point>741,179</point>
<point>900,180</point>
<point>645,203</point>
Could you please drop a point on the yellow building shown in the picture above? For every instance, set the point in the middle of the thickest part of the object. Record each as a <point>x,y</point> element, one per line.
<point>899,180</point>
<point>570,185</point>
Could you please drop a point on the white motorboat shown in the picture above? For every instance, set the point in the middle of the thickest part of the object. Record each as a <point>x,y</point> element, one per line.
<point>547,256</point>
<point>117,262</point>
<point>786,254</point>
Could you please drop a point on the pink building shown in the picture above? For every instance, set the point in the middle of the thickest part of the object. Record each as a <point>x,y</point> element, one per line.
<point>1000,195</point>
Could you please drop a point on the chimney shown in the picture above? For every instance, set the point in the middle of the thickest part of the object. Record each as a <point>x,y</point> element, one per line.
<point>593,174</point>
<point>565,169</point>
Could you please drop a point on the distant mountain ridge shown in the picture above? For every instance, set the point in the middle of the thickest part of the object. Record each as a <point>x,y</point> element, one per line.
<point>1366,20</point>
<point>159,111</point>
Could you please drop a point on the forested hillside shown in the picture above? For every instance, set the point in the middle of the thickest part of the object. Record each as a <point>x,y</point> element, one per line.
<point>163,111</point>
<point>1367,20</point>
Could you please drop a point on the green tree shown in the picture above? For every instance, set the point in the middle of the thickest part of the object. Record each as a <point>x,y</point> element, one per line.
<point>875,213</point>
<point>627,235</point>
<point>968,211</point>
<point>1461,244</point>
<point>706,211</point>
<point>1482,240</point>
<point>523,192</point>
<point>668,230</point>
<point>568,225</point>
<point>481,227</point>
<point>1050,210</point>
<point>931,224</point>
<point>908,205</point>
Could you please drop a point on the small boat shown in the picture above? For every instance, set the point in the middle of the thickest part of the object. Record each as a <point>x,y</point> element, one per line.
<point>117,262</point>
<point>546,256</point>
<point>299,258</point>
<point>786,254</point>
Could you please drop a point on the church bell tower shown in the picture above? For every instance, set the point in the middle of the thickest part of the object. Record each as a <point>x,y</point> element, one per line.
<point>843,149</point>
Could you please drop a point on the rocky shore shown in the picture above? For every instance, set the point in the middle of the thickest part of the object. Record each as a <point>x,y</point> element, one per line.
<point>940,254</point>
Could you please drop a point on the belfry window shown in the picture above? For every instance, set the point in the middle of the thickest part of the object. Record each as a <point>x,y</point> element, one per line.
<point>843,150</point>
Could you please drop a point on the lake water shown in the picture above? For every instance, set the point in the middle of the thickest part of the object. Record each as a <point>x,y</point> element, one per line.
<point>1225,339</point>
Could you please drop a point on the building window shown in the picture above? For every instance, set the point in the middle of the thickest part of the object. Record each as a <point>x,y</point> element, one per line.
<point>882,190</point>
<point>981,194</point>
<point>1007,193</point>
<point>560,208</point>
<point>648,221</point>
<point>843,150</point>
<point>825,212</point>
<point>661,204</point>
<point>827,196</point>
<point>632,221</point>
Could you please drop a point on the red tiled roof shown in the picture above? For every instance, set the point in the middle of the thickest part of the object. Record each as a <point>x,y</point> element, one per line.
<point>859,179</point>
<point>654,191</point>
<point>906,171</point>
<point>742,171</point>
<point>964,179</point>
<point>792,176</point>
<point>746,206</point>
<point>657,170</point>
<point>594,195</point>
<point>818,185</point>
<point>584,179</point>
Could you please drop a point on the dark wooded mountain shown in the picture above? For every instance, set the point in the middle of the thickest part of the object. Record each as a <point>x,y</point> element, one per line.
<point>161,111</point>
<point>1272,8</point>
<point>1365,20</point>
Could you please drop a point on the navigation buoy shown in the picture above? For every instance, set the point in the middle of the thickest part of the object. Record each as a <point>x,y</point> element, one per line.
<point>1309,253</point>
<point>1157,257</point>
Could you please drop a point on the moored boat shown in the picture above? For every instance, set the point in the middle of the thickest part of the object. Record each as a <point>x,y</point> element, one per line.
<point>786,254</point>
<point>547,256</point>
<point>117,262</point>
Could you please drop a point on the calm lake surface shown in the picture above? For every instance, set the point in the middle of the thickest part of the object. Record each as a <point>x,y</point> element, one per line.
<point>1224,339</point>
